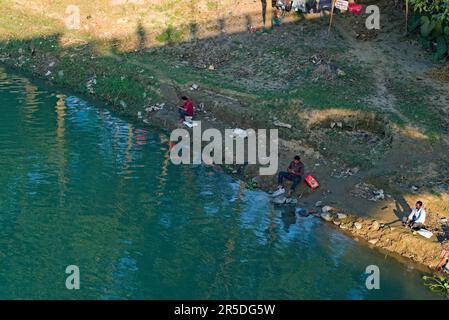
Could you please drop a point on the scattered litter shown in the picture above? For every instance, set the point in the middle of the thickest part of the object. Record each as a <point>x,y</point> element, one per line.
<point>278,123</point>
<point>139,114</point>
<point>211,67</point>
<point>368,191</point>
<point>345,173</point>
<point>90,84</point>
<point>339,124</point>
<point>240,133</point>
<point>190,124</point>
<point>425,233</point>
<point>194,87</point>
<point>155,107</point>
<point>48,73</point>
<point>341,73</point>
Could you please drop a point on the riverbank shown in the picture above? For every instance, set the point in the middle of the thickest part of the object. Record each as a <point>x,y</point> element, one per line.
<point>361,107</point>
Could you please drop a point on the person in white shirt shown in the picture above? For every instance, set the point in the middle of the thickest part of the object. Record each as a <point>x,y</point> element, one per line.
<point>417,217</point>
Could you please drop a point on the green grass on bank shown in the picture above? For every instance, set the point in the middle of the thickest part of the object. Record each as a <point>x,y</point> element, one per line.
<point>137,75</point>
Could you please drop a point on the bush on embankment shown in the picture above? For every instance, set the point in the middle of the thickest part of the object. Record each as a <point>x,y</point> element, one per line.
<point>432,20</point>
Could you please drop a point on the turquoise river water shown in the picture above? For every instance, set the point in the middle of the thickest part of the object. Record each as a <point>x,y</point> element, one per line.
<point>80,186</point>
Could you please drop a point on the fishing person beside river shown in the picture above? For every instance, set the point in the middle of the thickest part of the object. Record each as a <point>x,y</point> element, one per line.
<point>416,218</point>
<point>186,109</point>
<point>294,173</point>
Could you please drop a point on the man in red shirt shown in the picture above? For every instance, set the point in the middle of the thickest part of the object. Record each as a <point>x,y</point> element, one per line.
<point>186,109</point>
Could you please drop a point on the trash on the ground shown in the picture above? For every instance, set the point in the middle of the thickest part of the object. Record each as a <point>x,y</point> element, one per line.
<point>425,233</point>
<point>155,107</point>
<point>194,87</point>
<point>190,124</point>
<point>90,84</point>
<point>341,73</point>
<point>139,114</point>
<point>345,173</point>
<point>338,124</point>
<point>327,209</point>
<point>240,133</point>
<point>368,191</point>
<point>278,123</point>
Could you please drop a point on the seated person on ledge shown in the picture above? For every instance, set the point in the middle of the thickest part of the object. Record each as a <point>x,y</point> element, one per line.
<point>294,173</point>
<point>416,218</point>
<point>186,110</point>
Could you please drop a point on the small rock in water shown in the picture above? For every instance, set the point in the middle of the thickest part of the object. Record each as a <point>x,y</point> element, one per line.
<point>326,217</point>
<point>336,222</point>
<point>326,209</point>
<point>279,200</point>
<point>319,204</point>
<point>375,226</point>
<point>342,216</point>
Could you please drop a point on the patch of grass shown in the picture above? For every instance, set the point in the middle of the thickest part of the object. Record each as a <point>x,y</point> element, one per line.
<point>415,102</point>
<point>170,35</point>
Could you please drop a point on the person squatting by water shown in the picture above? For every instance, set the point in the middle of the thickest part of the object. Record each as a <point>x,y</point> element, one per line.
<point>186,109</point>
<point>294,173</point>
<point>416,218</point>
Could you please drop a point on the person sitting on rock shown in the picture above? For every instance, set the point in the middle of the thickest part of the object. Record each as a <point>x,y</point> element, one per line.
<point>294,173</point>
<point>416,218</point>
<point>186,109</point>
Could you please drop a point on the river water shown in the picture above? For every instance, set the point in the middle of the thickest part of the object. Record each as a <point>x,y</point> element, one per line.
<point>80,186</point>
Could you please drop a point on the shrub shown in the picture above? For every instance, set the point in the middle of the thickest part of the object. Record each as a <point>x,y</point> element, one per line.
<point>432,19</point>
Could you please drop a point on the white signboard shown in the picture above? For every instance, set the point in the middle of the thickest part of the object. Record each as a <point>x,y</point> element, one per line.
<point>342,5</point>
